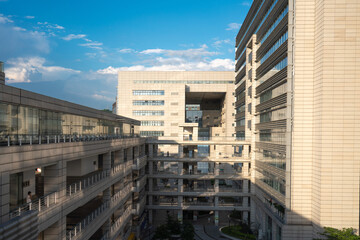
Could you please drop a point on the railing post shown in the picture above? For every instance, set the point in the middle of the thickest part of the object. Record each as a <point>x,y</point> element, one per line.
<point>55,197</point>
<point>47,139</point>
<point>30,140</point>
<point>39,205</point>
<point>8,141</point>
<point>30,206</point>
<point>40,139</point>
<point>70,190</point>
<point>80,186</point>
<point>20,141</point>
<point>75,188</point>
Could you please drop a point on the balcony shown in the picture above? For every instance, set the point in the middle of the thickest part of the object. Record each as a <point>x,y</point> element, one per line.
<point>140,183</point>
<point>120,222</point>
<point>139,162</point>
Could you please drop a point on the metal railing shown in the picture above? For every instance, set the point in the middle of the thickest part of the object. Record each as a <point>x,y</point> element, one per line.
<point>81,226</point>
<point>189,189</point>
<point>140,162</point>
<point>121,195</point>
<point>230,189</point>
<point>26,139</point>
<point>85,183</point>
<point>165,189</point>
<point>197,203</point>
<point>121,220</point>
<point>40,204</point>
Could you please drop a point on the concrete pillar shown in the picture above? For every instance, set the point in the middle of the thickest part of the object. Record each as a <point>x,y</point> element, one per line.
<point>195,216</point>
<point>245,216</point>
<point>151,150</point>
<point>130,155</point>
<point>107,163</point>
<point>150,216</point>
<point>181,151</point>
<point>180,201</point>
<point>156,146</point>
<point>57,231</point>
<point>245,151</point>
<point>245,169</point>
<point>150,181</point>
<point>55,179</point>
<point>136,151</point>
<point>180,168</point>
<point>180,185</point>
<point>217,169</point>
<point>274,230</point>
<point>245,186</point>
<point>216,185</point>
<point>180,215</point>
<point>216,218</point>
<point>216,201</point>
<point>4,196</point>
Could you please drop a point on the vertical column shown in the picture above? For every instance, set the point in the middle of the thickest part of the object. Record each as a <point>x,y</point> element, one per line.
<point>216,185</point>
<point>180,215</point>
<point>107,163</point>
<point>245,186</point>
<point>245,151</point>
<point>245,169</point>
<point>55,179</point>
<point>181,151</point>
<point>216,218</point>
<point>151,216</point>
<point>151,150</point>
<point>4,196</point>
<point>274,230</point>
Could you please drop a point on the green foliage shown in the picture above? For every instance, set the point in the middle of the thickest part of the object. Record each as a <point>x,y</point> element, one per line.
<point>336,234</point>
<point>174,227</point>
<point>188,231</point>
<point>162,233</point>
<point>238,232</point>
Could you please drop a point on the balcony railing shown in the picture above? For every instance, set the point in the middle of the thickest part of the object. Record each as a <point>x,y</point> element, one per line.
<point>81,226</point>
<point>85,183</point>
<point>120,222</point>
<point>39,205</point>
<point>139,162</point>
<point>25,139</point>
<point>189,189</point>
<point>230,189</point>
<point>121,195</point>
<point>197,203</point>
<point>165,189</point>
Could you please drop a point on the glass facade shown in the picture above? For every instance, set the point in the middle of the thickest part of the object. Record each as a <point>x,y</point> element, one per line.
<point>278,43</point>
<point>152,123</point>
<point>22,121</point>
<point>148,102</point>
<point>273,181</point>
<point>272,158</point>
<point>275,115</point>
<point>151,133</point>
<point>240,122</point>
<point>273,26</point>
<point>148,92</point>
<point>147,113</point>
<point>273,93</point>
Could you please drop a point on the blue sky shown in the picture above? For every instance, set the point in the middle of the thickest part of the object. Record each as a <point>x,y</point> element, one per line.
<point>72,50</point>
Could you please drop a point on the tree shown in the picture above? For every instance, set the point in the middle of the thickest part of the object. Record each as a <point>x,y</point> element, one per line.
<point>336,234</point>
<point>162,233</point>
<point>188,231</point>
<point>173,225</point>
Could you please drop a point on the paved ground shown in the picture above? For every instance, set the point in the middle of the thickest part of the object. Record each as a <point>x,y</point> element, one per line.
<point>207,232</point>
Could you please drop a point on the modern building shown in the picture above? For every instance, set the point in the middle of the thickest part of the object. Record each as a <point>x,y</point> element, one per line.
<point>297,103</point>
<point>85,169</point>
<point>201,171</point>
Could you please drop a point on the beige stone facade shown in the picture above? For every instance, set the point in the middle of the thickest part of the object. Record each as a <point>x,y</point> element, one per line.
<point>297,65</point>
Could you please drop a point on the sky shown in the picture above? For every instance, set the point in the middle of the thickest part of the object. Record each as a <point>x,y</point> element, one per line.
<point>73,49</point>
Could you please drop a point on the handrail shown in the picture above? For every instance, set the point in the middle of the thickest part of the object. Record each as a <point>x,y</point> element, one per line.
<point>85,183</point>
<point>40,204</point>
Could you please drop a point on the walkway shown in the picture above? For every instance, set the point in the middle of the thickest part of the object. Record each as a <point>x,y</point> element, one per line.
<point>207,232</point>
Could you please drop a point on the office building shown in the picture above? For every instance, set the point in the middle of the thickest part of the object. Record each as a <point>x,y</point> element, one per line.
<point>85,169</point>
<point>201,172</point>
<point>297,103</point>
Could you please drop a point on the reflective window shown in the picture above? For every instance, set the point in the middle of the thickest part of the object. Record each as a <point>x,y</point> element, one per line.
<point>273,93</point>
<point>151,133</point>
<point>148,92</point>
<point>152,123</point>
<point>148,102</point>
<point>147,113</point>
<point>273,115</point>
<point>276,45</point>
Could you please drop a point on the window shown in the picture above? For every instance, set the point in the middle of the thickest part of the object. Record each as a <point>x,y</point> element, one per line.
<point>148,102</point>
<point>147,113</point>
<point>240,122</point>
<point>152,123</point>
<point>273,115</point>
<point>152,133</point>
<point>148,92</point>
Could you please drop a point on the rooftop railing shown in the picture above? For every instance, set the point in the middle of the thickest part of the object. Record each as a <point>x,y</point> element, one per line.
<point>27,139</point>
<point>1,67</point>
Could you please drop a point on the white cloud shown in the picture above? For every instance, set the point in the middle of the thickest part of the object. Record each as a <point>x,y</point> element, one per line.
<point>74,36</point>
<point>176,64</point>
<point>126,50</point>
<point>19,29</point>
<point>34,69</point>
<point>191,54</point>
<point>51,26</point>
<point>93,45</point>
<point>233,26</point>
<point>103,97</point>
<point>29,17</point>
<point>219,43</point>
<point>246,4</point>
<point>4,19</point>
